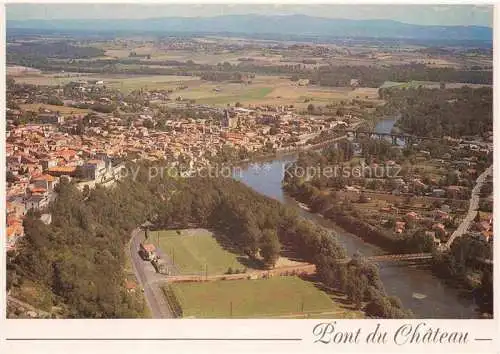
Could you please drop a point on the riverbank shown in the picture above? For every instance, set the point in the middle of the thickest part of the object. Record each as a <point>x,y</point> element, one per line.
<point>361,229</point>
<point>439,302</point>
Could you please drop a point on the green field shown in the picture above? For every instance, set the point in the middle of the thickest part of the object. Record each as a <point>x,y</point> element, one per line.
<point>194,250</point>
<point>119,82</point>
<point>245,95</point>
<point>152,82</point>
<point>278,297</point>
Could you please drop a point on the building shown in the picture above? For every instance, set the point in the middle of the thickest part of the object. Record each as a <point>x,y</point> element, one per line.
<point>50,118</point>
<point>354,82</point>
<point>14,232</point>
<point>131,286</point>
<point>228,121</point>
<point>303,82</point>
<point>438,192</point>
<point>16,209</point>
<point>147,251</point>
<point>46,182</point>
<point>399,227</point>
<point>37,200</point>
<point>93,169</point>
<point>46,219</point>
<point>48,163</point>
<point>59,171</point>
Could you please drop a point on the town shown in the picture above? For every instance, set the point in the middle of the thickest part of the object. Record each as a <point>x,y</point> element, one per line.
<point>89,147</point>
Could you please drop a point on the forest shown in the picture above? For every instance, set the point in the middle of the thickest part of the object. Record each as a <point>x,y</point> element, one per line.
<point>59,50</point>
<point>456,265</point>
<point>77,261</point>
<point>441,112</point>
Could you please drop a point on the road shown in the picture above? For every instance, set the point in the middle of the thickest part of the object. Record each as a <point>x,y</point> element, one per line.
<point>148,278</point>
<point>473,206</point>
<point>172,268</point>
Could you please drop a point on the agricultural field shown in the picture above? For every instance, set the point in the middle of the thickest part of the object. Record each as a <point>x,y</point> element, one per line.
<point>263,89</point>
<point>125,83</point>
<point>62,109</point>
<point>51,79</point>
<point>195,251</point>
<point>151,82</point>
<point>278,297</point>
<point>270,90</point>
<point>158,53</point>
<point>428,84</point>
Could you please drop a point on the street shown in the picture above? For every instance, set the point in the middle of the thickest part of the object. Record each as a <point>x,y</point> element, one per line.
<point>473,206</point>
<point>149,280</point>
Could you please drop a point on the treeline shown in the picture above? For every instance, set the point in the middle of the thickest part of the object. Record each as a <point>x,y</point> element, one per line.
<point>225,76</point>
<point>462,260</point>
<point>436,112</point>
<point>374,76</point>
<point>311,190</point>
<point>361,282</point>
<point>78,260</point>
<point>58,50</point>
<point>255,225</point>
<point>258,225</point>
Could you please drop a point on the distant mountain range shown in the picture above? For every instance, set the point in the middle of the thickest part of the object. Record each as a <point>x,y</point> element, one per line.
<point>296,25</point>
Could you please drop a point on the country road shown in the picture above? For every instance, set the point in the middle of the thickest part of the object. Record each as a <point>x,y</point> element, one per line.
<point>473,206</point>
<point>148,278</point>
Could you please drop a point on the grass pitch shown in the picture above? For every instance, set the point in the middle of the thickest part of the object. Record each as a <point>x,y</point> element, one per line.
<point>278,297</point>
<point>195,251</point>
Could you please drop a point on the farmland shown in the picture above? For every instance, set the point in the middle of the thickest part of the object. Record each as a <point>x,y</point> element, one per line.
<point>428,84</point>
<point>264,89</point>
<point>62,109</point>
<point>285,297</point>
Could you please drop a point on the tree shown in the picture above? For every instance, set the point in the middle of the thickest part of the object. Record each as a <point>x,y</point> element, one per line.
<point>270,247</point>
<point>486,291</point>
<point>363,198</point>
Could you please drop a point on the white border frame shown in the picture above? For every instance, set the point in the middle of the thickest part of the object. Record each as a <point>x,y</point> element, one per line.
<point>301,329</point>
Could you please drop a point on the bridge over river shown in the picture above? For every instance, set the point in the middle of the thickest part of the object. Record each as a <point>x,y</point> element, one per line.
<point>407,138</point>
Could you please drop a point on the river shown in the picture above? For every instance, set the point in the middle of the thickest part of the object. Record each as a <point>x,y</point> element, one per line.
<point>418,288</point>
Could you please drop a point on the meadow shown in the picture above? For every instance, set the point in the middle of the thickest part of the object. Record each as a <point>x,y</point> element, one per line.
<point>277,297</point>
<point>195,251</point>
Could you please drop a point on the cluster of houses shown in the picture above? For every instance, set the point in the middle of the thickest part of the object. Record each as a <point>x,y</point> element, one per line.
<point>482,229</point>
<point>38,156</point>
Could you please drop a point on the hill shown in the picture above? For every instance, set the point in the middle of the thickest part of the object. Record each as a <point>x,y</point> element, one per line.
<point>259,25</point>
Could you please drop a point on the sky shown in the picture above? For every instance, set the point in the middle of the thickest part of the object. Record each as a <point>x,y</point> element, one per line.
<point>414,14</point>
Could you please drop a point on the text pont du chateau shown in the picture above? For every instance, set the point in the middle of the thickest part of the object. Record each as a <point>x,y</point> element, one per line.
<point>418,333</point>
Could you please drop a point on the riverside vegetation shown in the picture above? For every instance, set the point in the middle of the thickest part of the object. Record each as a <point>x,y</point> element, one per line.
<point>76,263</point>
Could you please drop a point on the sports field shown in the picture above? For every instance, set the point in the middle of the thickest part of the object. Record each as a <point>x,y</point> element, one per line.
<point>278,297</point>
<point>195,251</point>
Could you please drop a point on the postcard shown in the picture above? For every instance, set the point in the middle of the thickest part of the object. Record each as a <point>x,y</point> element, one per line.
<point>249,177</point>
